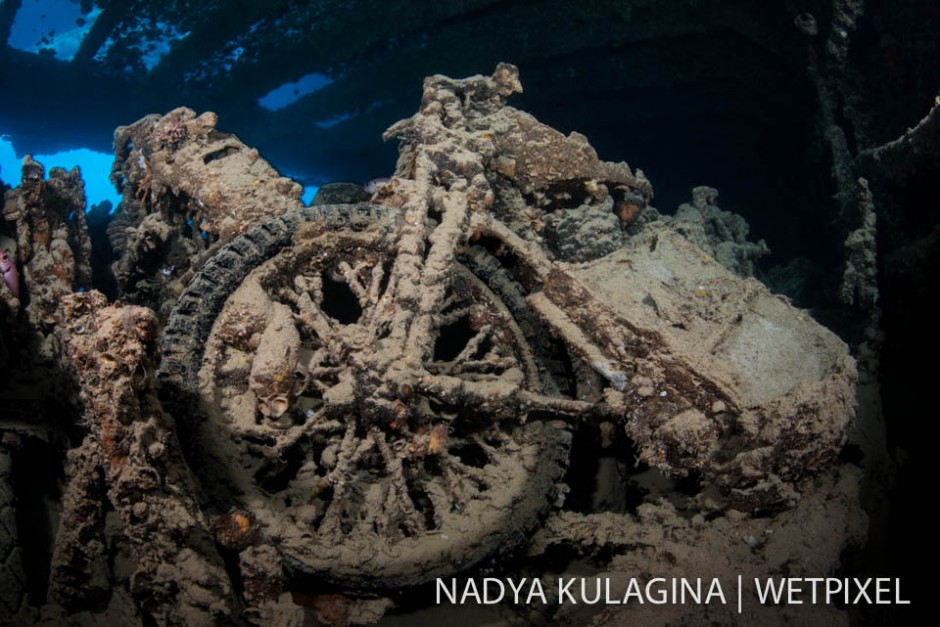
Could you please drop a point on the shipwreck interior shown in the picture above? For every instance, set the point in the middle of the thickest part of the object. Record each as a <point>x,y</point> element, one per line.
<point>815,121</point>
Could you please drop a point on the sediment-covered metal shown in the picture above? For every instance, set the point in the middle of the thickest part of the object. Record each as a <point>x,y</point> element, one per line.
<point>188,188</point>
<point>52,248</point>
<point>131,457</point>
<point>373,395</point>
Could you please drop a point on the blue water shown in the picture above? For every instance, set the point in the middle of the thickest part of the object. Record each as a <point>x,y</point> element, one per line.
<point>288,93</point>
<point>96,168</point>
<point>56,26</point>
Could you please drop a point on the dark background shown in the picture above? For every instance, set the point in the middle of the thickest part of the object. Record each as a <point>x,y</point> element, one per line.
<point>693,92</point>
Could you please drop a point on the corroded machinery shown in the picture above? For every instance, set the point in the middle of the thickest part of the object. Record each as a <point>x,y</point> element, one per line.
<point>372,395</point>
<point>387,389</point>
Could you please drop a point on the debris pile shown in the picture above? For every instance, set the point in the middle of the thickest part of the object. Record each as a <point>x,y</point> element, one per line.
<point>52,245</point>
<point>320,408</point>
<point>187,188</point>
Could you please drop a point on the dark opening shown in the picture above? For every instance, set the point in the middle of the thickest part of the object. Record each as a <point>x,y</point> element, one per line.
<point>423,504</point>
<point>599,477</point>
<point>339,302</point>
<point>452,339</point>
<point>471,454</point>
<point>36,475</point>
<point>559,365</point>
<point>219,154</point>
<point>277,476</point>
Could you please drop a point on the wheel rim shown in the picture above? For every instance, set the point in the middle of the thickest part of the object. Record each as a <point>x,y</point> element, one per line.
<point>368,461</point>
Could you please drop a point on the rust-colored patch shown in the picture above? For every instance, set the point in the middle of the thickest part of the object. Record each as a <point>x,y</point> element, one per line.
<point>113,443</point>
<point>627,211</point>
<point>437,443</point>
<point>332,610</point>
<point>233,530</point>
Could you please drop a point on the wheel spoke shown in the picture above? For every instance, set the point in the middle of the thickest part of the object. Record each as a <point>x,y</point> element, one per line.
<point>491,451</point>
<point>564,408</point>
<point>474,366</point>
<point>496,397</point>
<point>351,275</point>
<point>471,348</point>
<point>314,318</point>
<point>451,317</point>
<point>461,470</point>
<point>351,451</point>
<point>399,420</point>
<point>375,284</point>
<point>398,487</point>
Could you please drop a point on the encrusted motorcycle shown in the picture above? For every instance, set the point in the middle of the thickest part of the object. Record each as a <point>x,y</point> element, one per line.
<point>385,391</point>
